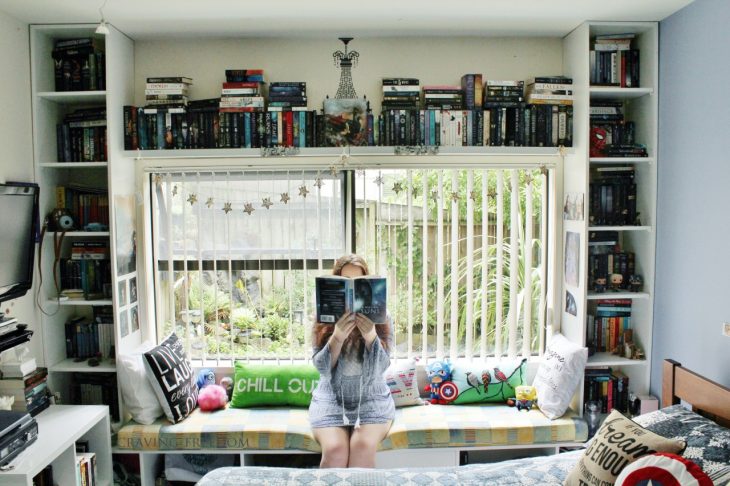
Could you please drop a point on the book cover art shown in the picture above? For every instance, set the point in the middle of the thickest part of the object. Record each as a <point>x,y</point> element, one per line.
<point>337,295</point>
<point>345,122</point>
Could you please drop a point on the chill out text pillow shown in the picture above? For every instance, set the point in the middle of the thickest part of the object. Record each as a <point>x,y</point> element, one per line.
<point>272,385</point>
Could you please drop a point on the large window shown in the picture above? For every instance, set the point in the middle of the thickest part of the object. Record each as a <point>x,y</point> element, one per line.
<point>464,250</point>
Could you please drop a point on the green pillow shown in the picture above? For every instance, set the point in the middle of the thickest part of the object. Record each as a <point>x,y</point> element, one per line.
<point>262,385</point>
<point>501,376</point>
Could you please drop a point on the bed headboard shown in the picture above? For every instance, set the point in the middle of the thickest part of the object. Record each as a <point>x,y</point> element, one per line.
<point>706,397</point>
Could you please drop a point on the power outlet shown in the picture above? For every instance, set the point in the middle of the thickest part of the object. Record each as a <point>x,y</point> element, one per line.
<point>726,328</point>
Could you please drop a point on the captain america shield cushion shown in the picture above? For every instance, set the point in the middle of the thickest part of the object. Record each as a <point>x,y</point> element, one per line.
<point>663,469</point>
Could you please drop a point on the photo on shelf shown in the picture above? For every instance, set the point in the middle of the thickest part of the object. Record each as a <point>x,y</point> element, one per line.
<point>570,305</point>
<point>573,206</point>
<point>126,236</point>
<point>134,318</point>
<point>572,258</point>
<point>123,323</point>
<point>122,293</point>
<point>345,122</point>
<point>133,290</point>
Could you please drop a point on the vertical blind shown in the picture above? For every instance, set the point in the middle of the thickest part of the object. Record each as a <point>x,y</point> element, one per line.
<point>464,250</point>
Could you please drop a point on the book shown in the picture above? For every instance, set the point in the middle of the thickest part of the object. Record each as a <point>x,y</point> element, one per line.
<point>338,295</point>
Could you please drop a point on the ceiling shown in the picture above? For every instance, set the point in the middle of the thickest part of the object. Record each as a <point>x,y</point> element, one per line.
<point>148,19</point>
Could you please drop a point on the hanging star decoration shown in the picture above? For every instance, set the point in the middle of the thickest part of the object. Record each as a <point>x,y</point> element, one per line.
<point>492,193</point>
<point>266,203</point>
<point>227,208</point>
<point>455,196</point>
<point>415,191</point>
<point>158,179</point>
<point>192,198</point>
<point>379,180</point>
<point>528,179</point>
<point>318,182</point>
<point>174,190</point>
<point>473,195</point>
<point>248,208</point>
<point>285,197</point>
<point>334,170</point>
<point>303,191</point>
<point>543,170</point>
<point>435,195</point>
<point>209,202</point>
<point>397,188</point>
<point>360,171</point>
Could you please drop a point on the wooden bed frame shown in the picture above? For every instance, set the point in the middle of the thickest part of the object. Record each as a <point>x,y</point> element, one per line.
<point>706,397</point>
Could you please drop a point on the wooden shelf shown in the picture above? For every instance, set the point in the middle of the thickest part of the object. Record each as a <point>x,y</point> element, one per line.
<point>73,97</point>
<point>619,228</point>
<point>74,165</point>
<point>82,234</point>
<point>618,295</point>
<point>608,359</point>
<point>71,366</point>
<point>616,93</point>
<point>81,302</point>
<point>622,160</point>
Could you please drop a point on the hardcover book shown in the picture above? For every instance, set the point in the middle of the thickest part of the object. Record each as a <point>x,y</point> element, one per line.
<point>338,295</point>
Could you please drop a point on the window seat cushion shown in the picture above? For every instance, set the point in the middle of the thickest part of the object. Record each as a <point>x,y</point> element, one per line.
<point>414,427</point>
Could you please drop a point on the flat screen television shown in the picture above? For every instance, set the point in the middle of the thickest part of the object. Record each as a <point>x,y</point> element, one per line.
<point>18,231</point>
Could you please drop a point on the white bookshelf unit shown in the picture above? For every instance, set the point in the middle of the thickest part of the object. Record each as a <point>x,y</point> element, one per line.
<point>640,106</point>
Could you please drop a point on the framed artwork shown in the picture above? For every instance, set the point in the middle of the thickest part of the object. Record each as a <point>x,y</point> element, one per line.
<point>572,258</point>
<point>346,122</point>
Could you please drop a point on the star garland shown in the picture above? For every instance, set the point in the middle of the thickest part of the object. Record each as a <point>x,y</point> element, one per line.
<point>397,188</point>
<point>248,208</point>
<point>266,203</point>
<point>209,202</point>
<point>303,191</point>
<point>227,208</point>
<point>318,182</point>
<point>174,190</point>
<point>192,198</point>
<point>455,196</point>
<point>473,195</point>
<point>285,197</point>
<point>379,180</point>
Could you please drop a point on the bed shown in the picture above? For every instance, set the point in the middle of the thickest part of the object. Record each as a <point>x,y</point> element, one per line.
<point>704,428</point>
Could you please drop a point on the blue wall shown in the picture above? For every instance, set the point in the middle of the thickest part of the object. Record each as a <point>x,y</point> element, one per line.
<point>693,221</point>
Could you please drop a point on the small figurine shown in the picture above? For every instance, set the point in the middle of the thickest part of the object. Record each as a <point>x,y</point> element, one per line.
<point>227,383</point>
<point>205,377</point>
<point>636,283</point>
<point>617,281</point>
<point>599,285</point>
<point>442,389</point>
<point>525,398</point>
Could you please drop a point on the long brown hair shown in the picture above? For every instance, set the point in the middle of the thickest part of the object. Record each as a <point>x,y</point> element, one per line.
<point>354,342</point>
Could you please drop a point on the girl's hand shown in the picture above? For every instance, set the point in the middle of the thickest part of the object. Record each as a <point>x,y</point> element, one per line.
<point>343,327</point>
<point>367,329</point>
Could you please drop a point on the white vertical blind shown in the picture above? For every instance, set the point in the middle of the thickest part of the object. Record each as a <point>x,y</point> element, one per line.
<point>424,267</point>
<point>499,302</point>
<point>455,222</point>
<point>543,260</point>
<point>527,300</point>
<point>484,293</point>
<point>514,249</point>
<point>410,289</point>
<point>440,267</point>
<point>469,264</point>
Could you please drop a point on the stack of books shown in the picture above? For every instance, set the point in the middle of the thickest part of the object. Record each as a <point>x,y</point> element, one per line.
<point>613,62</point>
<point>85,339</point>
<point>504,112</point>
<point>607,326</point>
<point>550,90</point>
<point>81,137</point>
<point>288,96</point>
<point>613,196</point>
<point>170,91</point>
<point>79,64</point>
<point>471,85</point>
<point>87,205</point>
<point>608,267</point>
<point>401,94</point>
<point>30,392</point>
<point>96,389</point>
<point>86,471</point>
<point>443,97</point>
<point>608,387</point>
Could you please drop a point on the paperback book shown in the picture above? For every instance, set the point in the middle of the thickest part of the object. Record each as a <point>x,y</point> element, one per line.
<point>337,295</point>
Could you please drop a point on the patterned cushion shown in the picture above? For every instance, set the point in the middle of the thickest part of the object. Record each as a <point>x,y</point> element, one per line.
<point>708,444</point>
<point>414,427</point>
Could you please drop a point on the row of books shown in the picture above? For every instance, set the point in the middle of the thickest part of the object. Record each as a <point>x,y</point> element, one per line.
<point>30,392</point>
<point>86,470</point>
<point>85,279</point>
<point>518,124</point>
<point>45,477</point>
<point>86,339</point>
<point>96,389</point>
<point>81,137</point>
<point>613,62</point>
<point>86,204</point>
<point>607,386</point>
<point>611,134</point>
<point>613,196</point>
<point>607,325</point>
<point>608,266</point>
<point>79,64</point>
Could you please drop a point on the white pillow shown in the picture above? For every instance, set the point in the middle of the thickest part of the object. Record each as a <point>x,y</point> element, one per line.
<point>558,375</point>
<point>139,396</point>
<point>403,383</point>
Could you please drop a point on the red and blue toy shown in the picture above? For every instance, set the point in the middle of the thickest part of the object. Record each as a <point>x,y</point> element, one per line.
<point>442,389</point>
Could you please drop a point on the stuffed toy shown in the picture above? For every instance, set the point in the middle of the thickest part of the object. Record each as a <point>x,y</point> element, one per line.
<point>441,388</point>
<point>212,397</point>
<point>525,398</point>
<point>227,383</point>
<point>205,377</point>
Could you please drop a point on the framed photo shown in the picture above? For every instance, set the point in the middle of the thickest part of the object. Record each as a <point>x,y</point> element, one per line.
<point>133,290</point>
<point>346,122</point>
<point>122,293</point>
<point>134,318</point>
<point>572,258</point>
<point>123,323</point>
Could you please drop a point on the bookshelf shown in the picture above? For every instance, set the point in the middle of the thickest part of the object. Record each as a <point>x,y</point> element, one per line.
<point>114,175</point>
<point>640,106</point>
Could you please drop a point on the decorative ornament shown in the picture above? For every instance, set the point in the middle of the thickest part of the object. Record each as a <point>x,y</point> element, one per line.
<point>174,190</point>
<point>334,170</point>
<point>397,188</point>
<point>248,208</point>
<point>379,180</point>
<point>227,208</point>
<point>266,202</point>
<point>435,195</point>
<point>158,179</point>
<point>455,196</point>
<point>303,191</point>
<point>285,197</point>
<point>209,202</point>
<point>415,191</point>
<point>492,193</point>
<point>473,195</point>
<point>192,198</point>
<point>528,179</point>
<point>318,182</point>
<point>543,170</point>
<point>345,61</point>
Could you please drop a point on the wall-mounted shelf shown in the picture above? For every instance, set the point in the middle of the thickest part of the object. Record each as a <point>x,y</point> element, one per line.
<point>82,234</point>
<point>80,302</point>
<point>72,366</point>
<point>73,165</point>
<point>618,295</point>
<point>621,160</point>
<point>616,93</point>
<point>619,228</point>
<point>608,359</point>
<point>73,97</point>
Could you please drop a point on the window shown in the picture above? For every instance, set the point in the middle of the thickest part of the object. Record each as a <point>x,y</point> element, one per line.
<point>464,250</point>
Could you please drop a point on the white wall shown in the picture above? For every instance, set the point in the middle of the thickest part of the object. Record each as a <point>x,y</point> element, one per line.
<point>16,156</point>
<point>432,60</point>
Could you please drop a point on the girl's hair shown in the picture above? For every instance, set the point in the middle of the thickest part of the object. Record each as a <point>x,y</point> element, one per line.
<point>354,342</point>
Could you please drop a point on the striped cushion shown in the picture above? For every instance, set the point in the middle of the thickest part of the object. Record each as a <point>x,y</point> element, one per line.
<point>414,427</point>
